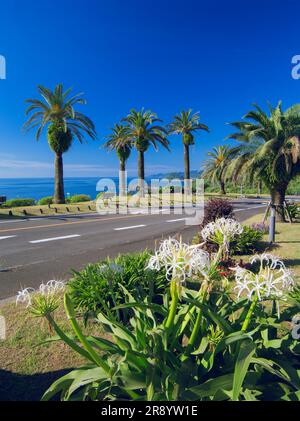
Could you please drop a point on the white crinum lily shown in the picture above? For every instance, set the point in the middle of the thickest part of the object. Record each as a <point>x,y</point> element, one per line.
<point>222,231</point>
<point>43,301</point>
<point>24,296</point>
<point>272,281</point>
<point>51,287</point>
<point>180,260</point>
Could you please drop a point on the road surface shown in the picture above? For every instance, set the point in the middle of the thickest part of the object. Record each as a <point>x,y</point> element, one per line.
<point>35,250</point>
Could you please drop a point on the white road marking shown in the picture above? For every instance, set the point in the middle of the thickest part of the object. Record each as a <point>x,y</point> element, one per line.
<point>44,240</point>
<point>129,228</point>
<point>176,220</point>
<point>251,207</point>
<point>8,236</point>
<point>13,221</point>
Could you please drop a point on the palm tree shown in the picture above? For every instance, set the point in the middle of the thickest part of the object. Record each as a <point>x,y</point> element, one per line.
<point>215,167</point>
<point>187,123</point>
<point>120,141</point>
<point>56,112</point>
<point>269,150</point>
<point>144,132</point>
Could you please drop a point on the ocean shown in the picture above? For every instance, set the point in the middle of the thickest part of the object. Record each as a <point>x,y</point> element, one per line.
<point>36,188</point>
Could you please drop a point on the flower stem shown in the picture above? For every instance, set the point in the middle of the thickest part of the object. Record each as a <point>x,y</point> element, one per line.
<point>249,314</point>
<point>197,326</point>
<point>173,307</point>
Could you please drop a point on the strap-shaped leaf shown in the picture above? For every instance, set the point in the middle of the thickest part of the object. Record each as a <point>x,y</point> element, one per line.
<point>62,384</point>
<point>211,387</point>
<point>246,350</point>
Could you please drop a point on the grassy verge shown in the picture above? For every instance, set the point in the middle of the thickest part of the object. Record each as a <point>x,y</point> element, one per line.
<point>287,245</point>
<point>40,211</point>
<point>27,369</point>
<point>86,207</point>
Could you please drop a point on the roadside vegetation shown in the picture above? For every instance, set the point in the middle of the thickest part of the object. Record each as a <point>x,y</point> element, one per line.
<point>79,203</point>
<point>211,324</point>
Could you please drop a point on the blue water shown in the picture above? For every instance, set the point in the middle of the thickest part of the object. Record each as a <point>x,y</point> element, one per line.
<point>37,188</point>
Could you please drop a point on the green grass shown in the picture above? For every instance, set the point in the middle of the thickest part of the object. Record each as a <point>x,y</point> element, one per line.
<point>46,211</point>
<point>287,243</point>
<point>26,368</point>
<point>87,207</point>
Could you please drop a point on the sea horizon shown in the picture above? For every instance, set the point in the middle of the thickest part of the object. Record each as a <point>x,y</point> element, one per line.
<point>38,187</point>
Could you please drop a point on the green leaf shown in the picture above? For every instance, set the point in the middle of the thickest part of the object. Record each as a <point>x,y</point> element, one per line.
<point>118,330</point>
<point>72,344</point>
<point>96,374</point>
<point>212,315</point>
<point>212,386</point>
<point>272,367</point>
<point>62,384</point>
<point>230,339</point>
<point>246,350</point>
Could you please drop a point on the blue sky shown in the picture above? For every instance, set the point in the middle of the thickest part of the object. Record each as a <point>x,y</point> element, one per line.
<point>215,57</point>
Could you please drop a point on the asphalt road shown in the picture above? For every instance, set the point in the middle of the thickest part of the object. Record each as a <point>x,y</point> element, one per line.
<point>35,250</point>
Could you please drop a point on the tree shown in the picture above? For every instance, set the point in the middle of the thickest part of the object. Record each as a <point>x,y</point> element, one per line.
<point>187,124</point>
<point>269,150</point>
<point>144,132</point>
<point>120,141</point>
<point>56,112</point>
<point>215,167</point>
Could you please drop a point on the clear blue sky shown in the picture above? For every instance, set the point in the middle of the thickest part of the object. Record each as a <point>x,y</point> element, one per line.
<point>216,57</point>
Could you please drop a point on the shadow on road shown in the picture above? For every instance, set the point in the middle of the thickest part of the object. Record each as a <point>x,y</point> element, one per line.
<point>19,387</point>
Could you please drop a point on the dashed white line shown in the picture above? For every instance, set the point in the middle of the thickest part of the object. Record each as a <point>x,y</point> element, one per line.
<point>252,207</point>
<point>7,221</point>
<point>44,240</point>
<point>7,236</point>
<point>129,228</point>
<point>176,220</point>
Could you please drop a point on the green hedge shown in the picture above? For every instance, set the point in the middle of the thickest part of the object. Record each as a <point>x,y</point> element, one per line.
<point>48,200</point>
<point>99,286</point>
<point>15,203</point>
<point>77,198</point>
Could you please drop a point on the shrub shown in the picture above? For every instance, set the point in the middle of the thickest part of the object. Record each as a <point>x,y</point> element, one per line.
<point>294,210</point>
<point>77,198</point>
<point>261,226</point>
<point>247,242</point>
<point>99,286</point>
<point>217,208</point>
<point>15,203</point>
<point>48,200</point>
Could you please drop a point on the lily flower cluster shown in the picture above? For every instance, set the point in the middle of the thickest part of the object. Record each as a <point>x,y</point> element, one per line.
<point>222,231</point>
<point>180,260</point>
<point>272,281</point>
<point>43,301</point>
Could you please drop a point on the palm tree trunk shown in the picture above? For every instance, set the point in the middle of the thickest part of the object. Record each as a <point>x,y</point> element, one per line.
<point>186,161</point>
<point>277,199</point>
<point>187,175</point>
<point>59,193</point>
<point>222,186</point>
<point>141,173</point>
<point>259,187</point>
<point>122,181</point>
